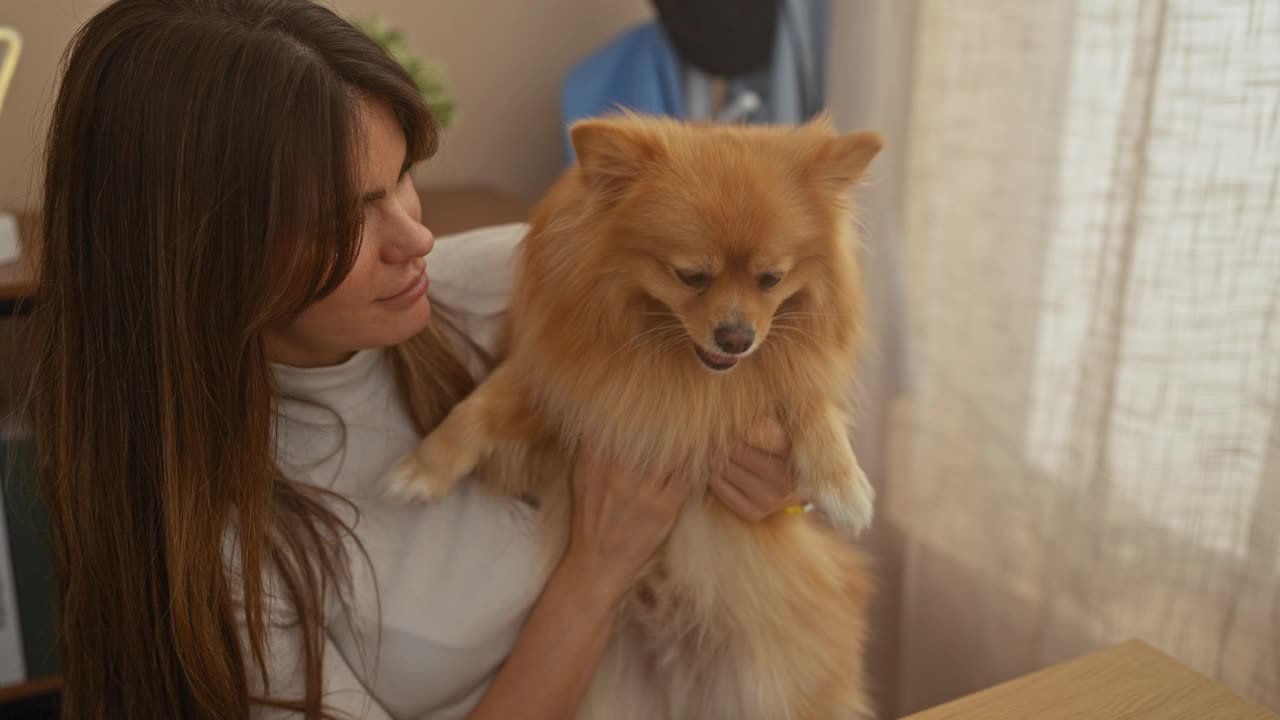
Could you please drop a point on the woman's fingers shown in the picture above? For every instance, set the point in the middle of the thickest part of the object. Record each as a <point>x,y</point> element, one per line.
<point>768,435</point>
<point>755,484</point>
<point>735,500</point>
<point>676,486</point>
<point>763,476</point>
<point>620,517</point>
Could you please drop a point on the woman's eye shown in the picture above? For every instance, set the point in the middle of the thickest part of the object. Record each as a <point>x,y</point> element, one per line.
<point>768,280</point>
<point>694,278</point>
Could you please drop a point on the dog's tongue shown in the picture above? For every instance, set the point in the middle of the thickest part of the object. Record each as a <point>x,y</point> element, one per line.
<point>719,362</point>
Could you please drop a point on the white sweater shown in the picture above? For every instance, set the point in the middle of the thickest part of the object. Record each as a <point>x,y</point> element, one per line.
<point>455,579</point>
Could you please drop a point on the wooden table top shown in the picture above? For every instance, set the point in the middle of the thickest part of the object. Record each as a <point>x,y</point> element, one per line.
<point>445,210</point>
<point>1133,681</point>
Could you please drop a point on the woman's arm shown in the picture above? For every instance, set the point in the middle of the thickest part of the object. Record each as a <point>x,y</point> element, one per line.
<point>618,522</point>
<point>550,668</point>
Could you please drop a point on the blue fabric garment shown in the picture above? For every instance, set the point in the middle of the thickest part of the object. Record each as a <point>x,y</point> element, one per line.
<point>640,71</point>
<point>793,87</point>
<point>637,70</point>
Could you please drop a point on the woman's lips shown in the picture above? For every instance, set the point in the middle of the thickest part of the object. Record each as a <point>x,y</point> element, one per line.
<point>410,292</point>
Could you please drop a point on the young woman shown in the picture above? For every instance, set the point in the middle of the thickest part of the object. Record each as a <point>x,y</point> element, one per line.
<point>234,342</point>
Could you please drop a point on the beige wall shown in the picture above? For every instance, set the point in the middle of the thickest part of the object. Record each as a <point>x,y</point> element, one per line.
<point>504,60</point>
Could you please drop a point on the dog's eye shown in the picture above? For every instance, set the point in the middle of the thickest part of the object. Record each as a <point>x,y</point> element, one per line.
<point>768,280</point>
<point>694,278</point>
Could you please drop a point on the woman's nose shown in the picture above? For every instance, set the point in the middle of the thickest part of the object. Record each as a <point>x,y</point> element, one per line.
<point>410,239</point>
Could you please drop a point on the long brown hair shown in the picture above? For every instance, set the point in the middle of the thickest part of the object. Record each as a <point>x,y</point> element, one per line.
<point>200,187</point>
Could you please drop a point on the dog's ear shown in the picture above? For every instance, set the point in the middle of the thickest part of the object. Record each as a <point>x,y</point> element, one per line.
<point>822,122</point>
<point>842,161</point>
<point>612,153</point>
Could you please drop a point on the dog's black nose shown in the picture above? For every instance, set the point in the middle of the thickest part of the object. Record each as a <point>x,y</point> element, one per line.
<point>735,338</point>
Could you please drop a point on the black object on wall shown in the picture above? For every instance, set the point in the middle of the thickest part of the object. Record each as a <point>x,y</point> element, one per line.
<point>728,38</point>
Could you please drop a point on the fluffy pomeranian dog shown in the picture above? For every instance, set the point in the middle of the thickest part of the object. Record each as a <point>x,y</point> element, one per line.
<point>678,284</point>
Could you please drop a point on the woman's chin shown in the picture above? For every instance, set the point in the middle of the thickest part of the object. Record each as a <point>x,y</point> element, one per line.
<point>403,324</point>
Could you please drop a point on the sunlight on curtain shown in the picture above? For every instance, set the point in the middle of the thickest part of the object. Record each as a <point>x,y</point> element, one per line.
<point>1093,254</point>
<point>1194,397</point>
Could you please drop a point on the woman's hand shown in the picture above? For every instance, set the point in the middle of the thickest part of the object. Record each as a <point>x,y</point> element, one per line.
<point>758,481</point>
<point>619,520</point>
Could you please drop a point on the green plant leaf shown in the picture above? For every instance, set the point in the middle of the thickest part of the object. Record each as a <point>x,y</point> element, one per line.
<point>428,78</point>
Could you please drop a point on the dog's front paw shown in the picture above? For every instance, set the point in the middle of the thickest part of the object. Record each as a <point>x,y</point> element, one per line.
<point>423,476</point>
<point>850,504</point>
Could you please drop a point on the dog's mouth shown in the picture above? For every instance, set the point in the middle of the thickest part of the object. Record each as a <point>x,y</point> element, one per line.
<point>715,361</point>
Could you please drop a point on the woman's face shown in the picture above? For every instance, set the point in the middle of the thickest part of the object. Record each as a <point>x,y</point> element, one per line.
<point>383,301</point>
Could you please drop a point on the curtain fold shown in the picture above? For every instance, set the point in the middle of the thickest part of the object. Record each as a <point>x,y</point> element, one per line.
<point>1083,381</point>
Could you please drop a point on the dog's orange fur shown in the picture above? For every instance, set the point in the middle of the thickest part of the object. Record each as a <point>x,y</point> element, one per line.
<point>732,620</point>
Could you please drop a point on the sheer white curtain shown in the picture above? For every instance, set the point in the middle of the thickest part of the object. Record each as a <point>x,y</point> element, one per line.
<point>1085,203</point>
